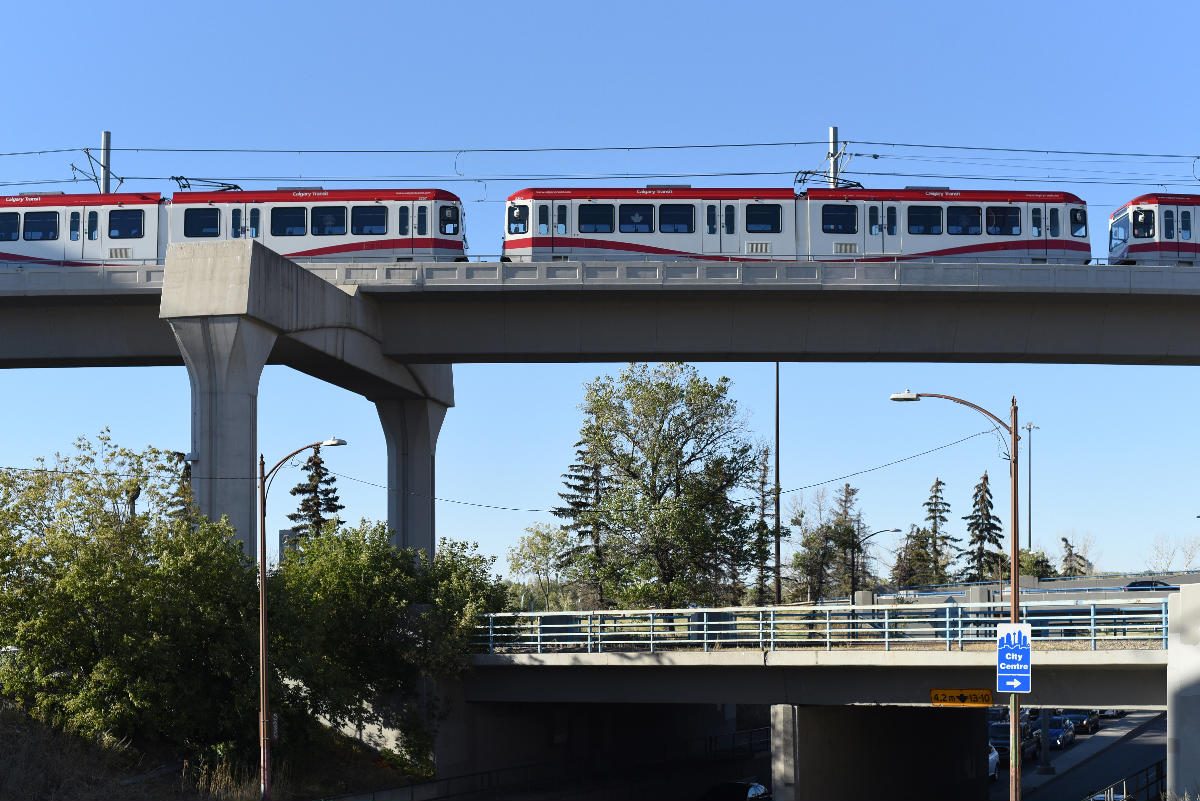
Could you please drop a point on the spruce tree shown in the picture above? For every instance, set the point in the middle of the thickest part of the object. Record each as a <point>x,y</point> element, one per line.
<point>943,548</point>
<point>1073,563</point>
<point>762,537</point>
<point>319,500</point>
<point>984,546</point>
<point>587,486</point>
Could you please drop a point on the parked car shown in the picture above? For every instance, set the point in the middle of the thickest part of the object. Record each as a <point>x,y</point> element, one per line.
<point>998,737</point>
<point>1087,721</point>
<point>1113,713</point>
<point>993,762</point>
<point>737,791</point>
<point>1060,733</point>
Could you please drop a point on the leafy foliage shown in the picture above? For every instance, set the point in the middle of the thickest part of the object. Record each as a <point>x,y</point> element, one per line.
<point>540,555</point>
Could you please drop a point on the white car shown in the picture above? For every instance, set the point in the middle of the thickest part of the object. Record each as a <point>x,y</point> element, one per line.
<point>993,762</point>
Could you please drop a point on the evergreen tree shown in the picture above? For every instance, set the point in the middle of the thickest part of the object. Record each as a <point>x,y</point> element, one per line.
<point>587,484</point>
<point>319,500</point>
<point>763,535</point>
<point>1073,562</point>
<point>915,565</point>
<point>984,547</point>
<point>943,549</point>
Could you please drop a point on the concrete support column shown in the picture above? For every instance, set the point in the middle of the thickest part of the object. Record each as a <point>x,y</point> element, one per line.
<point>225,355</point>
<point>411,429</point>
<point>820,751</point>
<point>1183,692</point>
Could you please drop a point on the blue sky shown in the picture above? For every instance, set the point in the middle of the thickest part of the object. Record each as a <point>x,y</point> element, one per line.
<point>1114,458</point>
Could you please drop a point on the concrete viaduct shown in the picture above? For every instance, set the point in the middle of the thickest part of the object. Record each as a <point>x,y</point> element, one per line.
<point>391,331</point>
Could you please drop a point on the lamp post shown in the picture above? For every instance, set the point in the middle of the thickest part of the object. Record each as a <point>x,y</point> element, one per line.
<point>1014,706</point>
<point>859,546</point>
<point>264,722</point>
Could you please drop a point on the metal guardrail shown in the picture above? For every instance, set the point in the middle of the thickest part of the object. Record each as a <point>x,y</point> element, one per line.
<point>1148,784</point>
<point>1067,624</point>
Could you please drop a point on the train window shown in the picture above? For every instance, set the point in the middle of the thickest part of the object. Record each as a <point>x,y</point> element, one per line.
<point>710,221</point>
<point>925,220</point>
<point>677,218</point>
<point>93,229</point>
<point>1118,232</point>
<point>560,225</point>
<point>764,218</point>
<point>448,220</point>
<point>255,223</point>
<point>1143,224</point>
<point>201,222</point>
<point>1053,228</point>
<point>730,219</point>
<point>1079,222</point>
<point>637,218</point>
<point>422,227</point>
<point>126,224</point>
<point>235,223</point>
<point>329,220</point>
<point>891,220</point>
<point>74,226</point>
<point>1185,225</point>
<point>1035,222</point>
<point>1168,224</point>
<point>1003,220</point>
<point>596,218</point>
<point>402,222</point>
<point>368,220</point>
<point>518,219</point>
<point>543,219</point>
<point>288,221</point>
<point>10,226</point>
<point>873,220</point>
<point>41,226</point>
<point>839,219</point>
<point>963,220</point>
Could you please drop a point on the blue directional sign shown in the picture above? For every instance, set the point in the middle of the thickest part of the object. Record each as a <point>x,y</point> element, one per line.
<point>1013,673</point>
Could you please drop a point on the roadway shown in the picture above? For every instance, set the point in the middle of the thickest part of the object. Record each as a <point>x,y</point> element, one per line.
<point>1122,747</point>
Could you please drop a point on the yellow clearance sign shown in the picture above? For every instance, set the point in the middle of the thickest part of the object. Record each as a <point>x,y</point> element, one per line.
<point>961,697</point>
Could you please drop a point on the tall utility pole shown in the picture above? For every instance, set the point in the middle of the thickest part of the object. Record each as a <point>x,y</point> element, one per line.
<point>105,160</point>
<point>833,157</point>
<point>1029,429</point>
<point>778,569</point>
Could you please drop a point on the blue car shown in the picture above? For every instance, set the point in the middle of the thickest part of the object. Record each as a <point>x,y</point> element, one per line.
<point>1061,732</point>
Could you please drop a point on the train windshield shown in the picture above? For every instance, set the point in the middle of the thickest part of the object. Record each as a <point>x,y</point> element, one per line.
<point>1118,232</point>
<point>1143,224</point>
<point>518,219</point>
<point>1078,222</point>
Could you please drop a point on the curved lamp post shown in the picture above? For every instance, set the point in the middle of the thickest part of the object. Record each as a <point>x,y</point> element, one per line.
<point>264,722</point>
<point>1014,706</point>
<point>859,546</point>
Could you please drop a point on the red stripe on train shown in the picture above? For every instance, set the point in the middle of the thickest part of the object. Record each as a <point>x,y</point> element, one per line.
<point>416,243</point>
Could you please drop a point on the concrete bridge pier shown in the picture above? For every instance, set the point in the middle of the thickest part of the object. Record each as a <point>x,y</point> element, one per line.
<point>847,753</point>
<point>1183,692</point>
<point>225,356</point>
<point>411,429</point>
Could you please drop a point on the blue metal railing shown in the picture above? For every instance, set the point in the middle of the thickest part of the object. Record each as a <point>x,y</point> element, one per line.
<point>1138,623</point>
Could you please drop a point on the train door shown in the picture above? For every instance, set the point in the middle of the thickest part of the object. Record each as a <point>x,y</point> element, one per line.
<point>1168,239</point>
<point>91,233</point>
<point>245,221</point>
<point>405,220</point>
<point>721,227</point>
<point>1045,224</point>
<point>553,227</point>
<point>881,233</point>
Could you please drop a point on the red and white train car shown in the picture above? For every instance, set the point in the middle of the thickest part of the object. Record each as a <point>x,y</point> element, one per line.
<point>328,225</point>
<point>826,224</point>
<point>78,230</point>
<point>1157,228</point>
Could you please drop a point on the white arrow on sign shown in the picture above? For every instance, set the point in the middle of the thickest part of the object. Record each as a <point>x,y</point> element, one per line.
<point>1013,683</point>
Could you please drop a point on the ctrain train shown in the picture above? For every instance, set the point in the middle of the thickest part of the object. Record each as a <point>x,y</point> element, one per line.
<point>653,222</point>
<point>829,224</point>
<point>301,224</point>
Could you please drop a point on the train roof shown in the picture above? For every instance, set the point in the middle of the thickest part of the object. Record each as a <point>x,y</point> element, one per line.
<point>310,195</point>
<point>648,192</point>
<point>1159,198</point>
<point>942,194</point>
<point>94,199</point>
<point>816,193</point>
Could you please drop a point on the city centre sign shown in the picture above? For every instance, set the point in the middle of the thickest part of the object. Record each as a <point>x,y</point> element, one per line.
<point>1013,658</point>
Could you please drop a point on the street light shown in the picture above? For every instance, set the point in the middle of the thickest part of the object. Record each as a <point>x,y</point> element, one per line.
<point>1014,713</point>
<point>859,546</point>
<point>264,722</point>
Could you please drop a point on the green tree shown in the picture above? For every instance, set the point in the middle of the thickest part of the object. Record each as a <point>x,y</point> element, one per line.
<point>943,547</point>
<point>1073,562</point>
<point>539,554</point>
<point>984,553</point>
<point>675,449</point>
<point>319,500</point>
<point>915,564</point>
<point>587,560</point>
<point>131,615</point>
<point>763,536</point>
<point>1032,563</point>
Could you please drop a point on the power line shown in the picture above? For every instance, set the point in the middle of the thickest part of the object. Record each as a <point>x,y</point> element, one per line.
<point>449,150</point>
